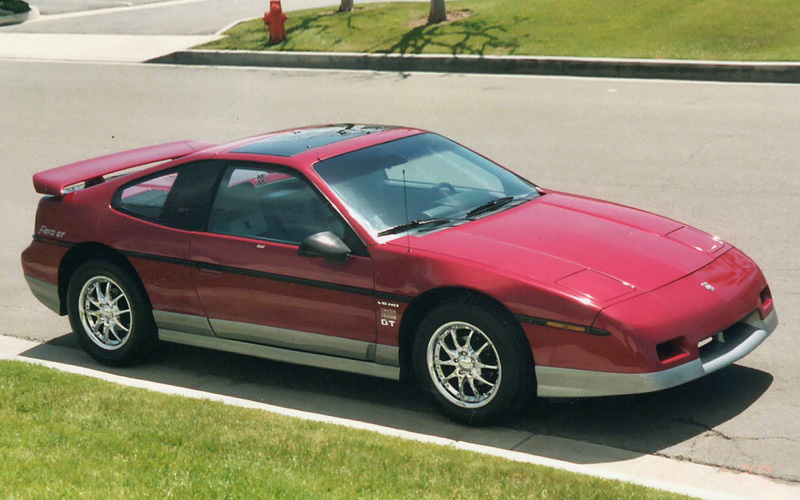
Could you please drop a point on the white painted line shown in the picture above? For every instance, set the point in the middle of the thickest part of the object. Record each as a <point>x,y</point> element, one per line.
<point>11,348</point>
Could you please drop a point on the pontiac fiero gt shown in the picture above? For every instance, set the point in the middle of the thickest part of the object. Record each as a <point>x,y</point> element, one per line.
<point>382,250</point>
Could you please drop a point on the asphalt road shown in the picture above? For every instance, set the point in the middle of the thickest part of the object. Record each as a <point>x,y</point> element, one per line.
<point>723,157</point>
<point>53,7</point>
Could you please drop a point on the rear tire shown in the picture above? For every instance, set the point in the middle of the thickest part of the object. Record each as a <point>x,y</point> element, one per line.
<point>475,363</point>
<point>110,314</point>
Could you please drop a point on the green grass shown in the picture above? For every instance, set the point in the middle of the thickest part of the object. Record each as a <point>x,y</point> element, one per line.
<point>675,29</point>
<point>68,436</point>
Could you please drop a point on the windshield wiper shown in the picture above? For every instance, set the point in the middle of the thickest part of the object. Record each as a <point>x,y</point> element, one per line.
<point>490,205</point>
<point>420,222</point>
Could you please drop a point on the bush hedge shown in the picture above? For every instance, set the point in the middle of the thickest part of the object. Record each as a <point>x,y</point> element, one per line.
<point>15,6</point>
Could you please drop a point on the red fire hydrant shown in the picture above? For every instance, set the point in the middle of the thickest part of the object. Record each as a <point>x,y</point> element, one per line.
<point>274,20</point>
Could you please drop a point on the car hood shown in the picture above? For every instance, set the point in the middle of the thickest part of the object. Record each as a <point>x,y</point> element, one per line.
<point>594,248</point>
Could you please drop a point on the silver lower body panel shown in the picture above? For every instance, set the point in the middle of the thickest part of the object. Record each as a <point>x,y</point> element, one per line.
<point>283,355</point>
<point>288,346</point>
<point>46,293</point>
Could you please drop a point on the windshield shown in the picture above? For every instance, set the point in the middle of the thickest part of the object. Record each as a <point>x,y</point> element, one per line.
<point>442,181</point>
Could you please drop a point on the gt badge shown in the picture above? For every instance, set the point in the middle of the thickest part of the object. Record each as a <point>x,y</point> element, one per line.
<point>707,286</point>
<point>388,317</point>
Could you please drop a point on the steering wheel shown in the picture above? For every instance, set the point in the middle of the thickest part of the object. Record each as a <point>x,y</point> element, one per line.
<point>440,190</point>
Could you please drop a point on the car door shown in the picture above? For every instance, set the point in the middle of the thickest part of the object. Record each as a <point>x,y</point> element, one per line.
<point>253,284</point>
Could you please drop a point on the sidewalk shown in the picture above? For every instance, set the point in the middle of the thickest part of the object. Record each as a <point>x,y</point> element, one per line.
<point>682,477</point>
<point>95,48</point>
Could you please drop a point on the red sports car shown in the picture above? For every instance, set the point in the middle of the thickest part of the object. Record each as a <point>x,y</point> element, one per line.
<point>387,250</point>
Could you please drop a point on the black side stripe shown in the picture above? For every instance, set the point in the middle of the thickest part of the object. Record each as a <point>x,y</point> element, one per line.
<point>52,241</point>
<point>302,281</point>
<point>158,258</point>
<point>549,324</point>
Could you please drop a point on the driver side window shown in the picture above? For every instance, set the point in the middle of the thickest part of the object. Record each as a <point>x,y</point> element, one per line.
<point>270,204</point>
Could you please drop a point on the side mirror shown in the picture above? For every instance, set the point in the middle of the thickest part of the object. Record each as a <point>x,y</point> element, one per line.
<point>324,244</point>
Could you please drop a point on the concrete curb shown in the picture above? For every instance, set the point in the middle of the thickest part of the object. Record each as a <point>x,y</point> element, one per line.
<point>724,71</point>
<point>700,481</point>
<point>21,17</point>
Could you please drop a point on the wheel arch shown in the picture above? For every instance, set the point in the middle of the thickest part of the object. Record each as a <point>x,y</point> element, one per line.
<point>81,253</point>
<point>423,304</point>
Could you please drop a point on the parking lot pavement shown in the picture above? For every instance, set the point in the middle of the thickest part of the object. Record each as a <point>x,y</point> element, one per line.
<point>722,157</point>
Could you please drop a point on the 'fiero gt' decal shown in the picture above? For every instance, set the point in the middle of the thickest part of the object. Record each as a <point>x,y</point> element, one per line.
<point>46,231</point>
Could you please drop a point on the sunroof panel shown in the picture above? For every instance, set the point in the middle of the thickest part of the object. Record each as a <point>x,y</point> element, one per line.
<point>292,143</point>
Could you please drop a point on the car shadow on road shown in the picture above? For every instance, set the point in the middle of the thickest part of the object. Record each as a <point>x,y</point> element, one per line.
<point>591,430</point>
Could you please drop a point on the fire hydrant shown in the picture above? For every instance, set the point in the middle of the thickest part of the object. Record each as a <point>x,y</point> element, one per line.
<point>274,20</point>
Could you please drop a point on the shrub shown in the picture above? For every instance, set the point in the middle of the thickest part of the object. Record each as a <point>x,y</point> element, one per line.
<point>15,6</point>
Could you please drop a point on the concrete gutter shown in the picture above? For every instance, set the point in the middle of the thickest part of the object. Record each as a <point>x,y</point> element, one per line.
<point>725,71</point>
<point>6,19</point>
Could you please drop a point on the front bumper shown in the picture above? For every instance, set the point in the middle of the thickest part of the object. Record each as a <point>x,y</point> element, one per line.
<point>741,339</point>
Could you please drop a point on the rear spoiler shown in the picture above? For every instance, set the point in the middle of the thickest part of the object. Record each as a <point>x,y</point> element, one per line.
<point>56,181</point>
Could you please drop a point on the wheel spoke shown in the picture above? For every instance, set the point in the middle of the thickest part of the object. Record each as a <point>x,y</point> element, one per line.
<point>112,330</point>
<point>469,339</point>
<point>119,324</point>
<point>116,299</point>
<point>484,346</point>
<point>485,367</point>
<point>443,346</point>
<point>448,362</point>
<point>455,339</point>
<point>124,311</point>
<point>108,291</point>
<point>461,388</point>
<point>483,381</point>
<point>474,390</point>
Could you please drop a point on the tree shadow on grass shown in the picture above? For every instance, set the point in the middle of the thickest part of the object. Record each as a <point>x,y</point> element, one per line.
<point>465,37</point>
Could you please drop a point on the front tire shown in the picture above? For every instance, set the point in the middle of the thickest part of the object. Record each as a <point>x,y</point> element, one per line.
<point>475,363</point>
<point>110,314</point>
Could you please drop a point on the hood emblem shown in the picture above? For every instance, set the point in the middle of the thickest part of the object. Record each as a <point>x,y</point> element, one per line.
<point>707,286</point>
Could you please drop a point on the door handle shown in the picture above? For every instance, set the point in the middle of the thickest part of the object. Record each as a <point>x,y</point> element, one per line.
<point>209,271</point>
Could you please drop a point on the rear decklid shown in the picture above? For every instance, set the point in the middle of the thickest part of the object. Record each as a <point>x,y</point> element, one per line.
<point>56,181</point>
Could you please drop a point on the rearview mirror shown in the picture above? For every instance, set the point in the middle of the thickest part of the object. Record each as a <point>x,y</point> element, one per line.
<point>324,244</point>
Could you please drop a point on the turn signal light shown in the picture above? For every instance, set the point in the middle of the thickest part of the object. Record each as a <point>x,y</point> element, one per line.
<point>672,350</point>
<point>765,305</point>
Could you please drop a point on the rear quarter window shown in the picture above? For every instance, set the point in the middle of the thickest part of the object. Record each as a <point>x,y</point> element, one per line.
<point>178,198</point>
